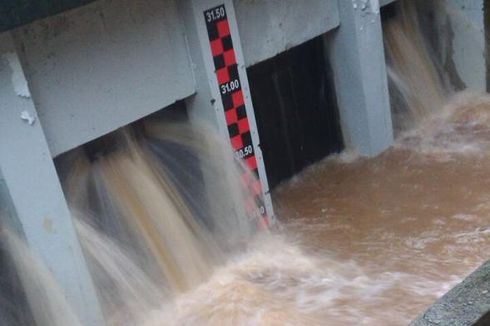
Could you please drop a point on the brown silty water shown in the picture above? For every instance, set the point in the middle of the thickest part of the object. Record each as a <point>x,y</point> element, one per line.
<point>360,241</point>
<point>365,241</point>
<point>370,241</point>
<point>412,222</point>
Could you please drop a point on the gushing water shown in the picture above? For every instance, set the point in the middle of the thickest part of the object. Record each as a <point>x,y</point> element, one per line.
<point>46,299</point>
<point>362,241</point>
<point>145,241</point>
<point>411,222</point>
<point>416,87</point>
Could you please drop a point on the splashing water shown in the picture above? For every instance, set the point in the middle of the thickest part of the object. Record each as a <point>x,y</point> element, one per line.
<point>416,88</point>
<point>363,241</point>
<point>146,241</point>
<point>47,301</point>
<point>414,220</point>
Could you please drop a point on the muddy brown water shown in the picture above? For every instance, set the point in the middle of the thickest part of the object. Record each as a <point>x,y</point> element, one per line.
<point>359,241</point>
<point>362,241</point>
<point>412,222</point>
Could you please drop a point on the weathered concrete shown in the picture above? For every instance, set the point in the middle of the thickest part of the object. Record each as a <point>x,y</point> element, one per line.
<point>356,53</point>
<point>466,304</point>
<point>468,45</point>
<point>456,32</point>
<point>35,191</point>
<point>270,27</point>
<point>104,65</point>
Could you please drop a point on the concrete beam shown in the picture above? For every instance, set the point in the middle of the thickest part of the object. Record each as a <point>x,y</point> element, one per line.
<point>35,191</point>
<point>99,67</point>
<point>14,13</point>
<point>356,53</point>
<point>270,27</point>
<point>383,3</point>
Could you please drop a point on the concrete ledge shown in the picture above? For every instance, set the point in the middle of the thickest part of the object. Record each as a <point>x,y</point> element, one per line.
<point>468,303</point>
<point>14,13</point>
<point>385,2</point>
<point>270,27</point>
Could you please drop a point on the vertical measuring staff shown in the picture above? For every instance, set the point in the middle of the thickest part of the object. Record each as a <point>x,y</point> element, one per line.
<point>238,124</point>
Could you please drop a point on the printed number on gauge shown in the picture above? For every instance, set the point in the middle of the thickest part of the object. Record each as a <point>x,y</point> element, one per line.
<point>244,152</point>
<point>215,14</point>
<point>230,86</point>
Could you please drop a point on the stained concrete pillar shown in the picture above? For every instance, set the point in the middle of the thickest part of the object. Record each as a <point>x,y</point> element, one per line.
<point>462,43</point>
<point>35,192</point>
<point>355,51</point>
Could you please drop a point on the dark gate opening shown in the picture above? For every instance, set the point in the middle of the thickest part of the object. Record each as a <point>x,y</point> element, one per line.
<point>296,110</point>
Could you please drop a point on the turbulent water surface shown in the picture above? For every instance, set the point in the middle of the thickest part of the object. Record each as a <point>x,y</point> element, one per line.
<point>358,241</point>
<point>365,241</point>
<point>409,223</point>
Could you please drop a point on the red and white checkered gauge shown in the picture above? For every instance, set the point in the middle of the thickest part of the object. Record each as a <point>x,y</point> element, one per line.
<point>226,69</point>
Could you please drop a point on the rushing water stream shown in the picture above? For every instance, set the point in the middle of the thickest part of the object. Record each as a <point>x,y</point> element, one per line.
<point>410,223</point>
<point>365,241</point>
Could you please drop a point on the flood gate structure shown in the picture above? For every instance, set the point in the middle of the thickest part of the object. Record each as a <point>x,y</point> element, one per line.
<point>75,70</point>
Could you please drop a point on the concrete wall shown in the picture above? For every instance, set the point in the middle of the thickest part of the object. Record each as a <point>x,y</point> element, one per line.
<point>96,68</point>
<point>465,18</point>
<point>458,37</point>
<point>268,28</point>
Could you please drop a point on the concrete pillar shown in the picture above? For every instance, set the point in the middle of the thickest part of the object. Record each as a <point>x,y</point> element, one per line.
<point>220,80</point>
<point>463,42</point>
<point>356,53</point>
<point>35,191</point>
